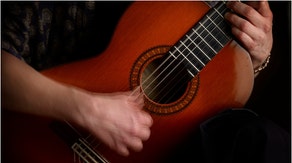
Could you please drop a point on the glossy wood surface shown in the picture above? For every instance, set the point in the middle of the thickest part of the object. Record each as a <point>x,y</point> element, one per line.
<point>225,82</point>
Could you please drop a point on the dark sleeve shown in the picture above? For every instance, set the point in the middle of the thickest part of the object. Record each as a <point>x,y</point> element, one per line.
<point>26,30</point>
<point>45,34</point>
<point>15,28</point>
<point>240,135</point>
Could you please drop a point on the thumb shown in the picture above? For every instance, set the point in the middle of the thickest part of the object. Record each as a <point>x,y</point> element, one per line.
<point>136,97</point>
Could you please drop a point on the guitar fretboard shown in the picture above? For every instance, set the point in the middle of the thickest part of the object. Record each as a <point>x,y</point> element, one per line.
<point>203,41</point>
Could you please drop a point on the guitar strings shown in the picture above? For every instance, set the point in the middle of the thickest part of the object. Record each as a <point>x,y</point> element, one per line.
<point>140,88</point>
<point>139,91</point>
<point>188,54</point>
<point>166,67</point>
<point>168,90</point>
<point>181,54</point>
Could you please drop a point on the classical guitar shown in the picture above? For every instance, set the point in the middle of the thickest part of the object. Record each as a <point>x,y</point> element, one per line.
<point>184,59</point>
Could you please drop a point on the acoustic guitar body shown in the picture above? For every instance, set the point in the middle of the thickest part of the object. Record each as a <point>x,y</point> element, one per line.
<point>144,34</point>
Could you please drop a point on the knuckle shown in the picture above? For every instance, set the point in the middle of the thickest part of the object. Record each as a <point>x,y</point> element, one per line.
<point>267,27</point>
<point>249,12</point>
<point>261,38</point>
<point>134,130</point>
<point>244,25</point>
<point>238,33</point>
<point>250,45</point>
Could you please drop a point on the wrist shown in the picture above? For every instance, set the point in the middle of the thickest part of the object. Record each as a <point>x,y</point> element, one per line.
<point>81,106</point>
<point>263,65</point>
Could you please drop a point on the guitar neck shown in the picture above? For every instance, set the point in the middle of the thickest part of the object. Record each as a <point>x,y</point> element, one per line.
<point>204,40</point>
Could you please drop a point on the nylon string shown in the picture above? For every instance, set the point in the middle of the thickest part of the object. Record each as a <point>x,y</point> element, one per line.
<point>180,53</point>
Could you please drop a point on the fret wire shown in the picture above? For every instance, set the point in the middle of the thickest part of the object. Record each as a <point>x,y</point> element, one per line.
<point>193,53</point>
<point>224,10</point>
<point>192,58</point>
<point>171,53</point>
<point>197,46</point>
<point>218,36</point>
<point>219,13</point>
<point>215,45</point>
<point>212,30</point>
<point>200,48</point>
<point>182,52</point>
<point>224,7</point>
<point>208,25</point>
<point>205,41</point>
<point>170,72</point>
<point>190,73</point>
<point>187,59</point>
<point>218,27</point>
<point>221,46</point>
<point>223,38</point>
<point>220,7</point>
<point>219,23</point>
<point>190,51</point>
<point>211,14</point>
<point>177,48</point>
<point>205,47</point>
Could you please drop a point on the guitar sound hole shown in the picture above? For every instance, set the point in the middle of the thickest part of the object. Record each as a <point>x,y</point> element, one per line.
<point>164,80</point>
<point>166,84</point>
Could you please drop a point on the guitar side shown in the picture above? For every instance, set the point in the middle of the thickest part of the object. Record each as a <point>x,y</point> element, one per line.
<point>225,82</point>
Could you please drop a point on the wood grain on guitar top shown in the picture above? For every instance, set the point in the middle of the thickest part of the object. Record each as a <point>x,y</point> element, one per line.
<point>225,82</point>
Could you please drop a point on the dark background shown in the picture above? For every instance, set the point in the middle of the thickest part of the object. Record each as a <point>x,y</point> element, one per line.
<point>271,97</point>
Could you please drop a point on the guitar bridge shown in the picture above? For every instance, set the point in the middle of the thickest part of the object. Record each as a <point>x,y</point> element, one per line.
<point>86,153</point>
<point>82,150</point>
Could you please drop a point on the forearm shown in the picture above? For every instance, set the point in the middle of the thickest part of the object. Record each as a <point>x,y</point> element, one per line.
<point>26,90</point>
